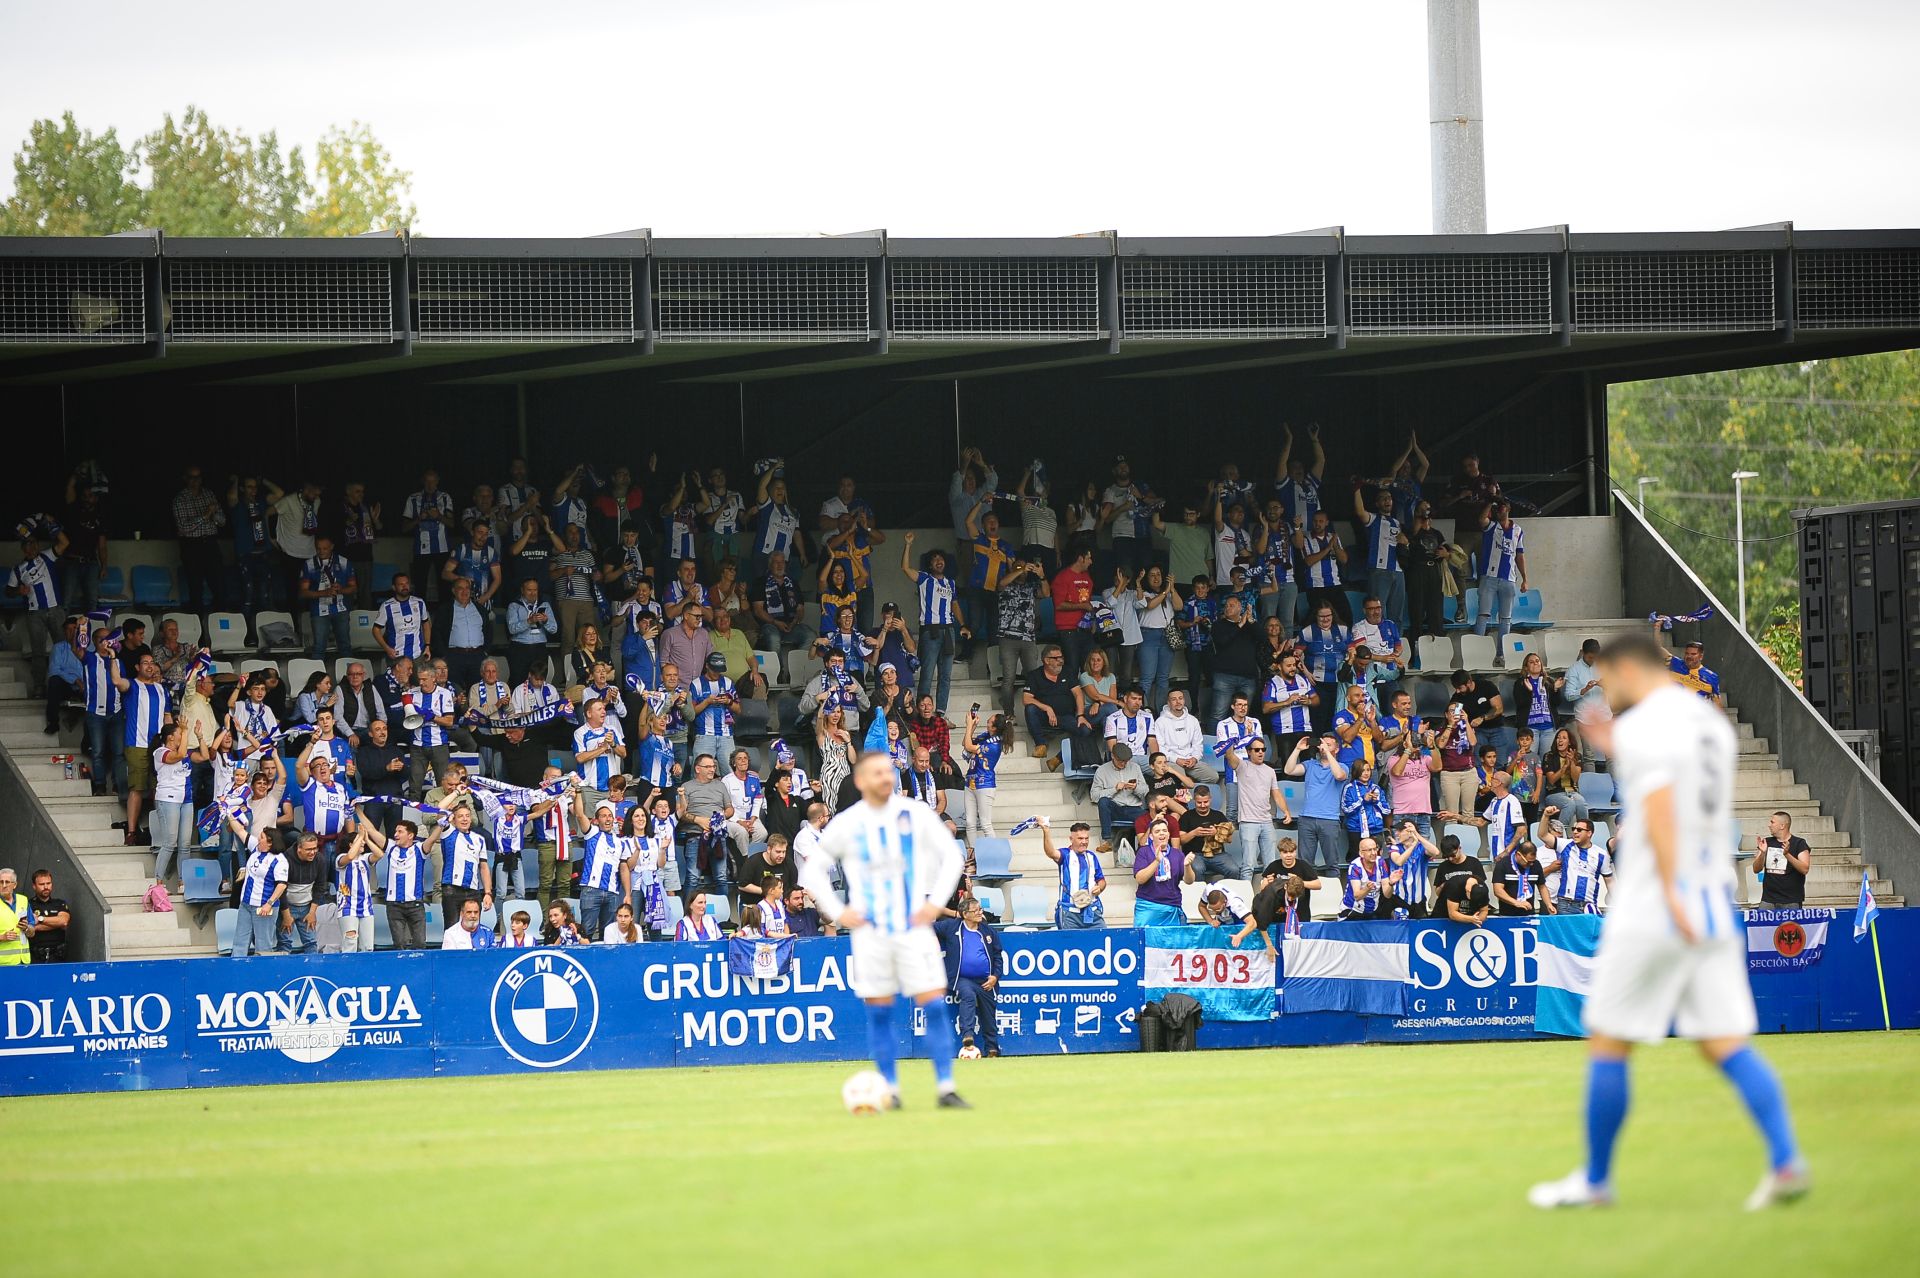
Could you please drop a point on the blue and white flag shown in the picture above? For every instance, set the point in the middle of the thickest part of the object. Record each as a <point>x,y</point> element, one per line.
<point>1229,984</point>
<point>1784,940</point>
<point>1347,967</point>
<point>762,958</point>
<point>1866,912</point>
<point>1031,823</point>
<point>1565,952</point>
<point>1666,622</point>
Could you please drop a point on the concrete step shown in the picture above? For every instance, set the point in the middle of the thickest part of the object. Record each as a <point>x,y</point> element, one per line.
<point>1750,806</point>
<point>82,812</point>
<point>1756,791</point>
<point>1754,823</point>
<point>1758,762</point>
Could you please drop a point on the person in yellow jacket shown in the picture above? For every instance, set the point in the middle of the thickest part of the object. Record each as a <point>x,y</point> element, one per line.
<point>16,922</point>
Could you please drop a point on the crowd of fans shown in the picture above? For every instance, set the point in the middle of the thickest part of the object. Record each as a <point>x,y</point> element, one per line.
<point>602,649</point>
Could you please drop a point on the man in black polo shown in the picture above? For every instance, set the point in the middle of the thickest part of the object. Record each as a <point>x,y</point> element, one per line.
<point>1048,700</point>
<point>50,920</point>
<point>1781,858</point>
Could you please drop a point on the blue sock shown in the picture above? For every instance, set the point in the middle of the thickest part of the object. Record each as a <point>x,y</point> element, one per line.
<point>880,1041</point>
<point>1760,1088</point>
<point>1606,1111</point>
<point>940,1042</point>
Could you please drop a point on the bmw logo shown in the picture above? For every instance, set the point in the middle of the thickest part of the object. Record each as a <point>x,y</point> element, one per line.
<point>545,1009</point>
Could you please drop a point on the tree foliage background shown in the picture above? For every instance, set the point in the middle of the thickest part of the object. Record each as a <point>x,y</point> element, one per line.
<point>1822,433</point>
<point>193,177</point>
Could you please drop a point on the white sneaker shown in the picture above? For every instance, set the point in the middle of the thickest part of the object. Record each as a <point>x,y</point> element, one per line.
<point>1575,1190</point>
<point>1787,1185</point>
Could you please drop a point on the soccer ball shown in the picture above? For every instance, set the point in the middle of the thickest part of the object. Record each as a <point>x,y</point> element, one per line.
<point>865,1093</point>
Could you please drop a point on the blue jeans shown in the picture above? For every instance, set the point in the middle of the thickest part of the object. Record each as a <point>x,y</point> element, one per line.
<point>719,879</point>
<point>1156,666</point>
<point>936,650</point>
<point>977,1012</point>
<point>1572,805</point>
<point>1258,846</point>
<point>1068,919</point>
<point>105,735</point>
<point>171,825</point>
<point>339,626</point>
<point>1496,598</point>
<point>1225,688</point>
<point>597,908</point>
<point>229,851</point>
<point>1282,604</point>
<point>1501,739</point>
<point>1116,815</point>
<point>719,747</point>
<point>1323,841</point>
<point>251,932</point>
<point>309,942</point>
<point>1389,586</point>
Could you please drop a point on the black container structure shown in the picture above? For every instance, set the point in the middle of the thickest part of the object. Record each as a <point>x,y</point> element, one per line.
<point>1860,629</point>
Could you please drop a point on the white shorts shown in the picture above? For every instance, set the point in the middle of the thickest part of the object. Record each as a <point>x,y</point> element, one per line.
<point>886,965</point>
<point>1645,986</point>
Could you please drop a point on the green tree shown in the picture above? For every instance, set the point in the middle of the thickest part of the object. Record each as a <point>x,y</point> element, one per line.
<point>1820,433</point>
<point>70,181</point>
<point>203,180</point>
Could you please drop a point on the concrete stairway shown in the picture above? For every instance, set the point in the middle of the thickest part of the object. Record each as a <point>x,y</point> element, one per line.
<point>123,874</point>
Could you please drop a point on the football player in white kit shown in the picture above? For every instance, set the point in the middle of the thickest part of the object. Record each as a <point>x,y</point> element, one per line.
<point>1673,950</point>
<point>901,865</point>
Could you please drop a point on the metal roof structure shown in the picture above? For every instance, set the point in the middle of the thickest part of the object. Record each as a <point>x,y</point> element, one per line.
<point>1319,303</point>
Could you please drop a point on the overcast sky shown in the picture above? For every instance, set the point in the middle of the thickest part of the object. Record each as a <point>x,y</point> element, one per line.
<point>726,117</point>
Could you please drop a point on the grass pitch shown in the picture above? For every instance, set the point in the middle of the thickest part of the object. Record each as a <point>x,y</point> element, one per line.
<point>1388,1160</point>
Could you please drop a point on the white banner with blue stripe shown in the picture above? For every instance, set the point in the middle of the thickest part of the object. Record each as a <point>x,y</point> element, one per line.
<point>1347,967</point>
<point>1229,984</point>
<point>1567,944</point>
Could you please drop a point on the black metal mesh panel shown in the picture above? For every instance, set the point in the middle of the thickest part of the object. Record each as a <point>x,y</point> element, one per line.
<point>1393,295</point>
<point>523,300</point>
<point>243,300</point>
<point>1672,292</point>
<point>1857,288</point>
<point>1199,297</point>
<point>91,301</point>
<point>976,299</point>
<point>709,299</point>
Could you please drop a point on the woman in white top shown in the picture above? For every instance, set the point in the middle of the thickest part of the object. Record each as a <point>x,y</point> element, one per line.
<point>696,926</point>
<point>623,930</point>
<point>171,823</point>
<point>1156,604</point>
<point>1125,602</point>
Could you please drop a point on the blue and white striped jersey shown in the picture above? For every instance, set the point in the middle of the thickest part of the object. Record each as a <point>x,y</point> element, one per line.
<point>430,538</point>
<point>717,719</point>
<point>325,807</point>
<point>265,871</point>
<point>322,574</point>
<point>432,705</point>
<point>1383,542</point>
<point>404,870</point>
<point>897,857</point>
<point>38,577</point>
<point>1415,874</point>
<point>401,622</point>
<point>596,773</point>
<point>1299,500</point>
<point>1289,719</point>
<point>656,760</point>
<point>1500,551</point>
<point>1505,825</point>
<point>1577,877</point>
<point>102,697</point>
<point>1327,571</point>
<point>775,529</point>
<point>600,860</point>
<point>461,859</point>
<point>356,888</point>
<point>936,600</point>
<point>146,714</point>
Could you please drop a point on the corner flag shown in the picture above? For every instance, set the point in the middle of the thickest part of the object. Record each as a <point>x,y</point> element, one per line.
<point>1866,912</point>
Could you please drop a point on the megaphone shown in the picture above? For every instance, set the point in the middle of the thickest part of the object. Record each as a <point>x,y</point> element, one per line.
<point>412,720</point>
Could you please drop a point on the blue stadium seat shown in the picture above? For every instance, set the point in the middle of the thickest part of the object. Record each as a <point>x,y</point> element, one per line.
<point>435,924</point>
<point>992,900</point>
<point>993,861</point>
<point>1597,789</point>
<point>225,923</point>
<point>113,585</point>
<point>535,915</point>
<point>1527,612</point>
<point>382,930</point>
<point>1067,767</point>
<point>1469,836</point>
<point>717,908</point>
<point>1032,906</point>
<point>676,910</point>
<point>200,876</point>
<point>1468,608</point>
<point>153,586</point>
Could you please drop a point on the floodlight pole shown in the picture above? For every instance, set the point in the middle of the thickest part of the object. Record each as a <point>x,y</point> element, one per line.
<point>1740,539</point>
<point>1643,483</point>
<point>1454,120</point>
